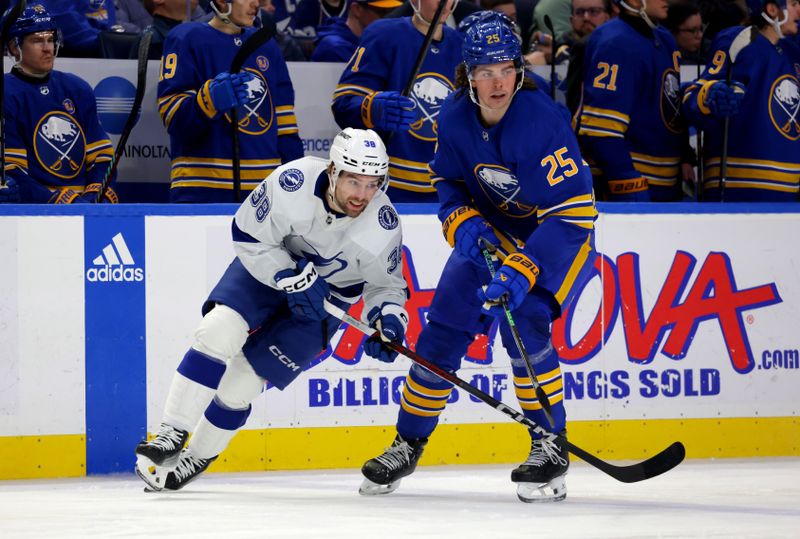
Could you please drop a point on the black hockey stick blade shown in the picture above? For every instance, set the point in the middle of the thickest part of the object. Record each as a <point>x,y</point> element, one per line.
<point>423,51</point>
<point>256,40</point>
<point>631,473</point>
<point>9,18</point>
<point>141,85</point>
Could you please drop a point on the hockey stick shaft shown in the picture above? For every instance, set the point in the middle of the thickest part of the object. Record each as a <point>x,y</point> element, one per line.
<point>259,37</point>
<point>426,43</point>
<point>130,122</point>
<point>8,22</point>
<point>656,465</point>
<point>489,255</point>
<point>553,48</point>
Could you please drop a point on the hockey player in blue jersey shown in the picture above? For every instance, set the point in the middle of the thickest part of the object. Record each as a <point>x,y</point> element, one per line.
<point>368,93</point>
<point>762,103</point>
<point>56,150</point>
<point>196,93</point>
<point>630,125</point>
<point>507,169</point>
<point>315,230</point>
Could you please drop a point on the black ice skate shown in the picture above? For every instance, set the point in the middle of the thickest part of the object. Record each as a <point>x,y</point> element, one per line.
<point>382,474</point>
<point>155,458</point>
<point>188,469</point>
<point>541,477</point>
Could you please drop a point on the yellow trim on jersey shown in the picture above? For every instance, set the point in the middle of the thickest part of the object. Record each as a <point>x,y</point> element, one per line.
<point>186,160</point>
<point>288,119</point>
<point>205,102</point>
<point>397,184</point>
<point>421,401</point>
<point>173,109</point>
<point>366,110</point>
<point>702,94</point>
<point>411,409</point>
<point>350,89</point>
<point>789,178</point>
<point>603,123</point>
<point>455,220</point>
<point>417,177</point>
<point>607,113</point>
<point>574,269</point>
<point>433,393</point>
<point>283,109</point>
<point>524,265</point>
<point>214,185</point>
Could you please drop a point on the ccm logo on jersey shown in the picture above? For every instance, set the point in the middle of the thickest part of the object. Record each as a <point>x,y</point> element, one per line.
<point>283,358</point>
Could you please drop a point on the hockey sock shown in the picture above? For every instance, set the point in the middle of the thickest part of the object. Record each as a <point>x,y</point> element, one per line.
<point>216,428</point>
<point>548,373</point>
<point>193,387</point>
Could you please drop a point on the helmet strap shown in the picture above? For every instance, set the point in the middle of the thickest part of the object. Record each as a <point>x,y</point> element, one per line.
<point>474,97</point>
<point>639,12</point>
<point>225,16</point>
<point>776,25</point>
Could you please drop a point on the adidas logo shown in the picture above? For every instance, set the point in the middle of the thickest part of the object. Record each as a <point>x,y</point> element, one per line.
<point>115,264</point>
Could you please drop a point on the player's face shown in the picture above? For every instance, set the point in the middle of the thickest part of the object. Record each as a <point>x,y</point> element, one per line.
<point>427,8</point>
<point>587,15</point>
<point>244,12</point>
<point>690,33</point>
<point>38,52</point>
<point>657,9</point>
<point>354,191</point>
<point>495,84</point>
<point>789,28</point>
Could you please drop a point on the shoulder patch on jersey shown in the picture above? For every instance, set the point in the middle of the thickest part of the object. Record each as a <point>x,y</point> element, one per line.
<point>388,218</point>
<point>291,179</point>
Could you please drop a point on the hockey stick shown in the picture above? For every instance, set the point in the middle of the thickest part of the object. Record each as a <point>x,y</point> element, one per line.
<point>656,465</point>
<point>701,166</point>
<point>490,256</point>
<point>11,17</point>
<point>259,37</point>
<point>549,25</point>
<point>141,83</point>
<point>743,39</point>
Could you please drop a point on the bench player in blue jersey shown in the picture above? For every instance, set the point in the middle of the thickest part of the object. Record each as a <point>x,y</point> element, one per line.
<point>507,169</point>
<point>56,151</point>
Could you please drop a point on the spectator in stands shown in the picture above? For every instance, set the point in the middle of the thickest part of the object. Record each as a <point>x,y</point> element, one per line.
<point>686,25</point>
<point>630,127</point>
<point>310,14</point>
<point>368,94</point>
<point>559,12</point>
<point>81,22</point>
<point>132,15</point>
<point>456,15</point>
<point>167,14</point>
<point>506,7</point>
<point>721,14</point>
<point>291,49</point>
<point>337,38</point>
<point>196,93</point>
<point>56,151</point>
<point>586,16</point>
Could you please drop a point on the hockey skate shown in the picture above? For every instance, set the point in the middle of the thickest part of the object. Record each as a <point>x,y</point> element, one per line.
<point>188,469</point>
<point>382,474</point>
<point>541,478</point>
<point>155,458</point>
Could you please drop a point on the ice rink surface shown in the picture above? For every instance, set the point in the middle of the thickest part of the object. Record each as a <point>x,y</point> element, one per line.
<point>752,498</point>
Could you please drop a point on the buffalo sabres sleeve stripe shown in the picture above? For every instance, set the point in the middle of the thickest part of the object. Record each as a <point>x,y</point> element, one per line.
<point>414,175</point>
<point>171,104</point>
<point>579,210</point>
<point>287,121</point>
<point>603,122</point>
<point>351,89</point>
<point>658,170</point>
<point>755,174</point>
<point>575,268</point>
<point>16,158</point>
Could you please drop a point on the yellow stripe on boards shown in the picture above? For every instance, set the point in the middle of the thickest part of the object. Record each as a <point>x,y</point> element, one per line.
<point>37,457</point>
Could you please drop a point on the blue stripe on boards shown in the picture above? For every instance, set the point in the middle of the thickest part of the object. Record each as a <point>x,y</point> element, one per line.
<point>116,393</point>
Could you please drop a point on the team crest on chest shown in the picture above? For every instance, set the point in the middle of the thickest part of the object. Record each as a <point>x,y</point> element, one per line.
<point>428,93</point>
<point>256,114</point>
<point>501,187</point>
<point>59,144</point>
<point>784,102</point>
<point>671,100</point>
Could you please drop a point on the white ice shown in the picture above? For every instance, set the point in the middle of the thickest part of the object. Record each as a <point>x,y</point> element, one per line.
<point>752,498</point>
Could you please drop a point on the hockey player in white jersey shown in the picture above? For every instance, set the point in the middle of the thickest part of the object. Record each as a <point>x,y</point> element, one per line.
<point>315,230</point>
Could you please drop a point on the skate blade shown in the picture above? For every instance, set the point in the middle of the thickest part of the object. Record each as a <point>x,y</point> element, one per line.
<point>370,488</point>
<point>554,491</point>
<point>152,474</point>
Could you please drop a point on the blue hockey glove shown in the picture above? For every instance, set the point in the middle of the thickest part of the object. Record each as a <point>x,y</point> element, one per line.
<point>723,100</point>
<point>391,320</point>
<point>9,193</point>
<point>513,280</point>
<point>467,236</point>
<point>389,111</point>
<point>306,290</point>
<point>222,93</point>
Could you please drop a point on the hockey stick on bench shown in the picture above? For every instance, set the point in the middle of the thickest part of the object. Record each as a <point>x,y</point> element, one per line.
<point>631,473</point>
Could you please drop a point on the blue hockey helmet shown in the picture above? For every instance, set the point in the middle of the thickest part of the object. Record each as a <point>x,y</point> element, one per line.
<point>755,7</point>
<point>32,20</point>
<point>484,16</point>
<point>490,42</point>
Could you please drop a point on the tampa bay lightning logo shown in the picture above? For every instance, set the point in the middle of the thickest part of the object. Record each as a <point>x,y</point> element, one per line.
<point>326,266</point>
<point>59,144</point>
<point>256,114</point>
<point>387,218</point>
<point>291,180</point>
<point>671,100</point>
<point>501,187</point>
<point>428,93</point>
<point>784,102</point>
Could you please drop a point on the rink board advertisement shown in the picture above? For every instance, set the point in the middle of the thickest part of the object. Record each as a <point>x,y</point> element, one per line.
<point>687,331</point>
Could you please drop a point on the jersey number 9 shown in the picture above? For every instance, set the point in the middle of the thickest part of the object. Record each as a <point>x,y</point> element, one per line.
<point>168,65</point>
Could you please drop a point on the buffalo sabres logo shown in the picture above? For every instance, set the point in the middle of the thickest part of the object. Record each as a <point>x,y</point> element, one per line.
<point>671,100</point>
<point>784,103</point>
<point>501,187</point>
<point>256,114</point>
<point>69,106</point>
<point>60,145</point>
<point>429,92</point>
<point>291,180</point>
<point>262,63</point>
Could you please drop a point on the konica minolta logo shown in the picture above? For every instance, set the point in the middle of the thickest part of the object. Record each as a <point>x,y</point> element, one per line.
<point>115,264</point>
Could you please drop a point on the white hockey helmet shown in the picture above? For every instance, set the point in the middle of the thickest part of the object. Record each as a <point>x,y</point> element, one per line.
<point>360,151</point>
